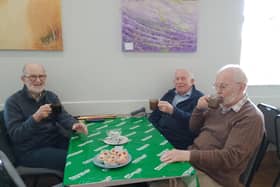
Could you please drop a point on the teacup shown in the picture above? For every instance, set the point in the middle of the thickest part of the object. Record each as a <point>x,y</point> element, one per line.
<point>114,134</point>
<point>153,104</point>
<point>214,101</point>
<point>56,108</point>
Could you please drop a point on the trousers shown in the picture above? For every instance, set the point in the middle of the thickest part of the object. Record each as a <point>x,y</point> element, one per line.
<point>52,156</point>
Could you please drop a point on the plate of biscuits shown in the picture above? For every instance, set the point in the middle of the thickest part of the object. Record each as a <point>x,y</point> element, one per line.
<point>114,158</point>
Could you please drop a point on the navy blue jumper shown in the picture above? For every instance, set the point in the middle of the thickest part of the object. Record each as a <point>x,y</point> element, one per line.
<point>175,127</point>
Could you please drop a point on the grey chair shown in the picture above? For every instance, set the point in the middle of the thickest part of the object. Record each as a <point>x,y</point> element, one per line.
<point>277,136</point>
<point>7,167</point>
<point>8,159</point>
<point>139,112</point>
<point>269,112</point>
<point>271,125</point>
<point>248,174</point>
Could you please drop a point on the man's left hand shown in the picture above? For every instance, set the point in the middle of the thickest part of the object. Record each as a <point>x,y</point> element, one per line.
<point>80,127</point>
<point>175,155</point>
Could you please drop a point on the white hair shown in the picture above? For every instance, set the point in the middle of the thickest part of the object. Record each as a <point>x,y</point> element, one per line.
<point>190,75</point>
<point>239,74</point>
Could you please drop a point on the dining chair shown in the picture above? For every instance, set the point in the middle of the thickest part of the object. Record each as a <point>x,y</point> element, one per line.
<point>277,136</point>
<point>269,112</point>
<point>271,125</point>
<point>248,174</point>
<point>139,112</point>
<point>9,175</point>
<point>8,158</point>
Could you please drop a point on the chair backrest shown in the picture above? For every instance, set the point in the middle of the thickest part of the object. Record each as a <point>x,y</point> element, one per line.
<point>269,112</point>
<point>8,174</point>
<point>247,175</point>
<point>5,144</point>
<point>139,112</point>
<point>277,134</point>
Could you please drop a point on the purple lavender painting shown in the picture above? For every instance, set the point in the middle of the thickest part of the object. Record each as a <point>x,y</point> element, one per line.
<point>159,25</point>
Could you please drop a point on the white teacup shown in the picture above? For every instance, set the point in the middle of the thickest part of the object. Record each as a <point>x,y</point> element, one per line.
<point>114,134</point>
<point>214,101</point>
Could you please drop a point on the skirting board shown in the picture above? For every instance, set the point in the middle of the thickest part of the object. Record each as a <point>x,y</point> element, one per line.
<point>105,107</point>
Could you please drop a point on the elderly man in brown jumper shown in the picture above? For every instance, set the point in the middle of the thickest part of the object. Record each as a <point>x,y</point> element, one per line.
<point>227,136</point>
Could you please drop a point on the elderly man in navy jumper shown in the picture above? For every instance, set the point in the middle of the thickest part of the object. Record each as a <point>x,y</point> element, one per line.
<point>33,124</point>
<point>172,116</point>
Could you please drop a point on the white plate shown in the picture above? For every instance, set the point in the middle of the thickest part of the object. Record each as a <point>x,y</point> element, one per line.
<point>122,140</point>
<point>99,163</point>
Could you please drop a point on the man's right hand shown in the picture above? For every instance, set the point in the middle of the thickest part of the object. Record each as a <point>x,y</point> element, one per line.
<point>166,107</point>
<point>42,113</point>
<point>202,103</point>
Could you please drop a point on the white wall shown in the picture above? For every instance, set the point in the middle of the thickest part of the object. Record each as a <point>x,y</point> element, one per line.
<point>92,75</point>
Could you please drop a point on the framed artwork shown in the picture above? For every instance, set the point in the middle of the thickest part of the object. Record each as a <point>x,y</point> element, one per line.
<point>30,25</point>
<point>159,25</point>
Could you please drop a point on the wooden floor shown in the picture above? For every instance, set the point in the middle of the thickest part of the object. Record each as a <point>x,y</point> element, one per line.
<point>268,171</point>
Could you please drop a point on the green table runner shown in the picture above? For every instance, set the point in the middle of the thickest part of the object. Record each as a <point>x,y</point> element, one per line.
<point>145,146</point>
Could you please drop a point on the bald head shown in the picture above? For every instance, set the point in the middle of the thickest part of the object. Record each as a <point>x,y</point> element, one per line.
<point>235,73</point>
<point>33,68</point>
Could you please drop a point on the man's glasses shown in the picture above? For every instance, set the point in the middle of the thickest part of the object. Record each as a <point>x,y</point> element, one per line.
<point>221,86</point>
<point>33,78</point>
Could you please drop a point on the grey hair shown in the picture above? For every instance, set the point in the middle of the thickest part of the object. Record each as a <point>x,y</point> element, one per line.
<point>24,69</point>
<point>239,74</point>
<point>190,74</point>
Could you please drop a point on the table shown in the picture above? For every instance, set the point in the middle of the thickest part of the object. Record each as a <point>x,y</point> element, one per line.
<point>145,146</point>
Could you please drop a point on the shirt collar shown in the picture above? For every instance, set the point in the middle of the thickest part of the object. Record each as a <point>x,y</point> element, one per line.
<point>186,94</point>
<point>25,89</point>
<point>237,106</point>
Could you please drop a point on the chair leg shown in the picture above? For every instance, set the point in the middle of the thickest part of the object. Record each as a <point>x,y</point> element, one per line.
<point>276,180</point>
<point>36,180</point>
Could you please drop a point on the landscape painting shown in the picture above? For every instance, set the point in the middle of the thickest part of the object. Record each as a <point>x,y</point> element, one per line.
<point>159,25</point>
<point>30,25</point>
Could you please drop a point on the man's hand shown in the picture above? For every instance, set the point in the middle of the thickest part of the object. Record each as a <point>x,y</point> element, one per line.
<point>166,107</point>
<point>202,103</point>
<point>175,155</point>
<point>80,127</point>
<point>42,113</point>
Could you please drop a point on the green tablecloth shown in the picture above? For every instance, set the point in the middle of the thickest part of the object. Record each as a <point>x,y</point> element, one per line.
<point>145,146</point>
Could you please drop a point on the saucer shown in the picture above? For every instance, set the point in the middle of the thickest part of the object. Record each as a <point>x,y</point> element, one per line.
<point>101,164</point>
<point>120,141</point>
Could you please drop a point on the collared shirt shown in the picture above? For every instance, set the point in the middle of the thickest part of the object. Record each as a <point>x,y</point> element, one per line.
<point>179,98</point>
<point>235,107</point>
<point>41,95</point>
